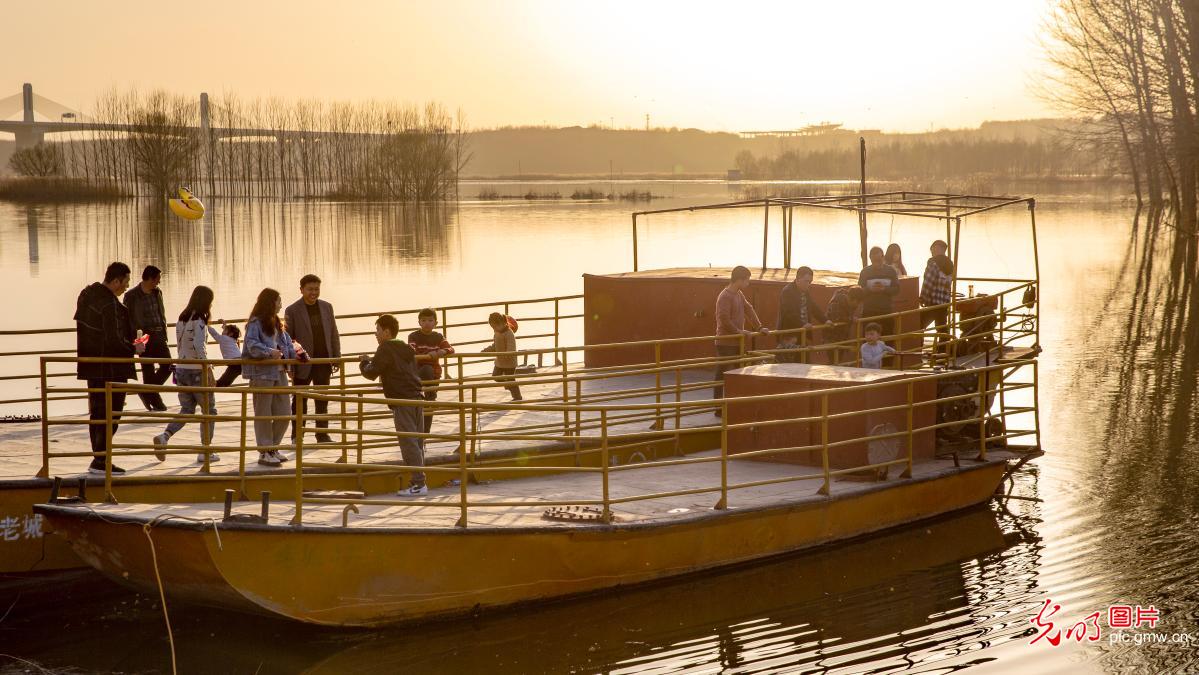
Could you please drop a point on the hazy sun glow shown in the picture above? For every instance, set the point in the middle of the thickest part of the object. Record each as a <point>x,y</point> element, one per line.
<point>713,65</point>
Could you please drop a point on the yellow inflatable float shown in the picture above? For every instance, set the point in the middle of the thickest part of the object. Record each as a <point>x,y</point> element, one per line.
<point>187,206</point>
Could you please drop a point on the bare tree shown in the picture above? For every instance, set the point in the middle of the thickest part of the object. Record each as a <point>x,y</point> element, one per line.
<point>39,161</point>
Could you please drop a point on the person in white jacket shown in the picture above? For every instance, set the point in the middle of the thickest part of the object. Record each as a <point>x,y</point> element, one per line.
<point>191,336</point>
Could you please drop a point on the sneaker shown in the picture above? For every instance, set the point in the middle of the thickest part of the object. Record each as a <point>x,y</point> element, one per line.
<point>160,441</point>
<point>323,438</point>
<point>269,459</point>
<point>413,490</point>
<point>280,456</point>
<point>213,458</point>
<point>99,469</point>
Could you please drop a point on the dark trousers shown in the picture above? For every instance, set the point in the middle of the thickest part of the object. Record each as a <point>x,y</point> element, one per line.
<point>318,375</point>
<point>156,348</point>
<point>95,411</point>
<point>504,375</point>
<point>724,352</point>
<point>887,324</point>
<point>939,318</point>
<point>231,373</point>
<point>426,374</point>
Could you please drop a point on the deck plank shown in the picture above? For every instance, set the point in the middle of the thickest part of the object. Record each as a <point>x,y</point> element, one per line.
<point>646,479</point>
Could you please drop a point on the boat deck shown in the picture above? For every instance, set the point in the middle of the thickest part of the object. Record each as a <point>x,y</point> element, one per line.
<point>442,511</point>
<point>21,453</point>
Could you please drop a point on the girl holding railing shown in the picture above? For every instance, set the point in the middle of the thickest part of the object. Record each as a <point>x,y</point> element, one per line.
<point>266,344</point>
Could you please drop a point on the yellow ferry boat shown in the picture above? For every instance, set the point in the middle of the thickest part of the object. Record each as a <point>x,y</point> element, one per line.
<point>616,487</point>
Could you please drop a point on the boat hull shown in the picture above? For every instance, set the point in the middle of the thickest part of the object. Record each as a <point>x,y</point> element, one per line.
<point>364,576</point>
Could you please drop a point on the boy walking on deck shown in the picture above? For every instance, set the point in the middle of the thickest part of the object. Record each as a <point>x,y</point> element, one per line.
<point>395,362</point>
<point>429,346</point>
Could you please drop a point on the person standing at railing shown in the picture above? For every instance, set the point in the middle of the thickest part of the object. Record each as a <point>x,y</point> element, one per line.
<point>505,362</point>
<point>265,345</point>
<point>873,348</point>
<point>191,338</point>
<point>732,312</point>
<point>103,330</point>
<point>395,362</point>
<point>429,346</point>
<point>796,310</point>
<point>148,314</point>
<point>311,322</point>
<point>936,291</point>
<point>841,312</point>
<point>881,284</point>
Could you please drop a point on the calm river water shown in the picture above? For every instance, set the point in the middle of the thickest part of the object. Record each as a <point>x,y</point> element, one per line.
<point>1114,524</point>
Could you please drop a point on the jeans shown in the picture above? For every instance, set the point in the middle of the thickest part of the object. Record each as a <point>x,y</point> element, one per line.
<point>156,348</point>
<point>318,375</point>
<point>190,400</point>
<point>505,375</point>
<point>724,352</point>
<point>95,411</point>
<point>271,432</point>
<point>412,448</point>
<point>940,319</point>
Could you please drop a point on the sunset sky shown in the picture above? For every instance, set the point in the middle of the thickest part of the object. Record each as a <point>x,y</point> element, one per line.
<point>899,66</point>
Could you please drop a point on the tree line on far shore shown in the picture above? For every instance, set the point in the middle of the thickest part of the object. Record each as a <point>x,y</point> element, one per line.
<point>357,151</point>
<point>932,158</point>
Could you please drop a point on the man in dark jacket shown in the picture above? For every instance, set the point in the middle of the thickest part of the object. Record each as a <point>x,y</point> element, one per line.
<point>103,329</point>
<point>310,321</point>
<point>881,283</point>
<point>796,310</point>
<point>148,314</point>
<point>395,362</point>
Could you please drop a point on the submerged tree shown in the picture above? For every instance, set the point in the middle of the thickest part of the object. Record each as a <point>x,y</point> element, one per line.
<point>39,161</point>
<point>1132,68</point>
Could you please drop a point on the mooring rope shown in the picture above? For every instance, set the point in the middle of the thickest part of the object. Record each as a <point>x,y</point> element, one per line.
<point>154,559</point>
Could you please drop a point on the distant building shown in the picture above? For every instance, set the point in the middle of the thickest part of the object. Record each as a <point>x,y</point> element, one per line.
<point>733,175</point>
<point>810,130</point>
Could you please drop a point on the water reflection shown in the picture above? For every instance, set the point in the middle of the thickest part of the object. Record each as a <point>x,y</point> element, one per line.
<point>906,597</point>
<point>1141,474</point>
<point>879,601</point>
<point>31,228</point>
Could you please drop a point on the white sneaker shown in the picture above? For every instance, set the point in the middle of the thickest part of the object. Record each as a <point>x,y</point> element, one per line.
<point>268,459</point>
<point>280,456</point>
<point>213,458</point>
<point>160,441</point>
<point>413,490</point>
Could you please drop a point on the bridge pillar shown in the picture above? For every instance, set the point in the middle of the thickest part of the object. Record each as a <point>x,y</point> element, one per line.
<point>27,138</point>
<point>27,102</point>
<point>205,123</point>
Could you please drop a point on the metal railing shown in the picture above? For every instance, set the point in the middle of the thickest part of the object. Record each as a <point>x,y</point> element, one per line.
<point>543,321</point>
<point>992,383</point>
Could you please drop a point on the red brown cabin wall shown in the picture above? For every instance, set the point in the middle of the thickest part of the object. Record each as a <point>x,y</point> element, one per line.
<point>681,302</point>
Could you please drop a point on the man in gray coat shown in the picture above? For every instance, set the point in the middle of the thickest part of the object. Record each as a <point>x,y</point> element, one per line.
<point>310,321</point>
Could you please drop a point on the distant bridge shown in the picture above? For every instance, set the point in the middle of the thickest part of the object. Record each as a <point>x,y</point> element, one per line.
<point>30,131</point>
